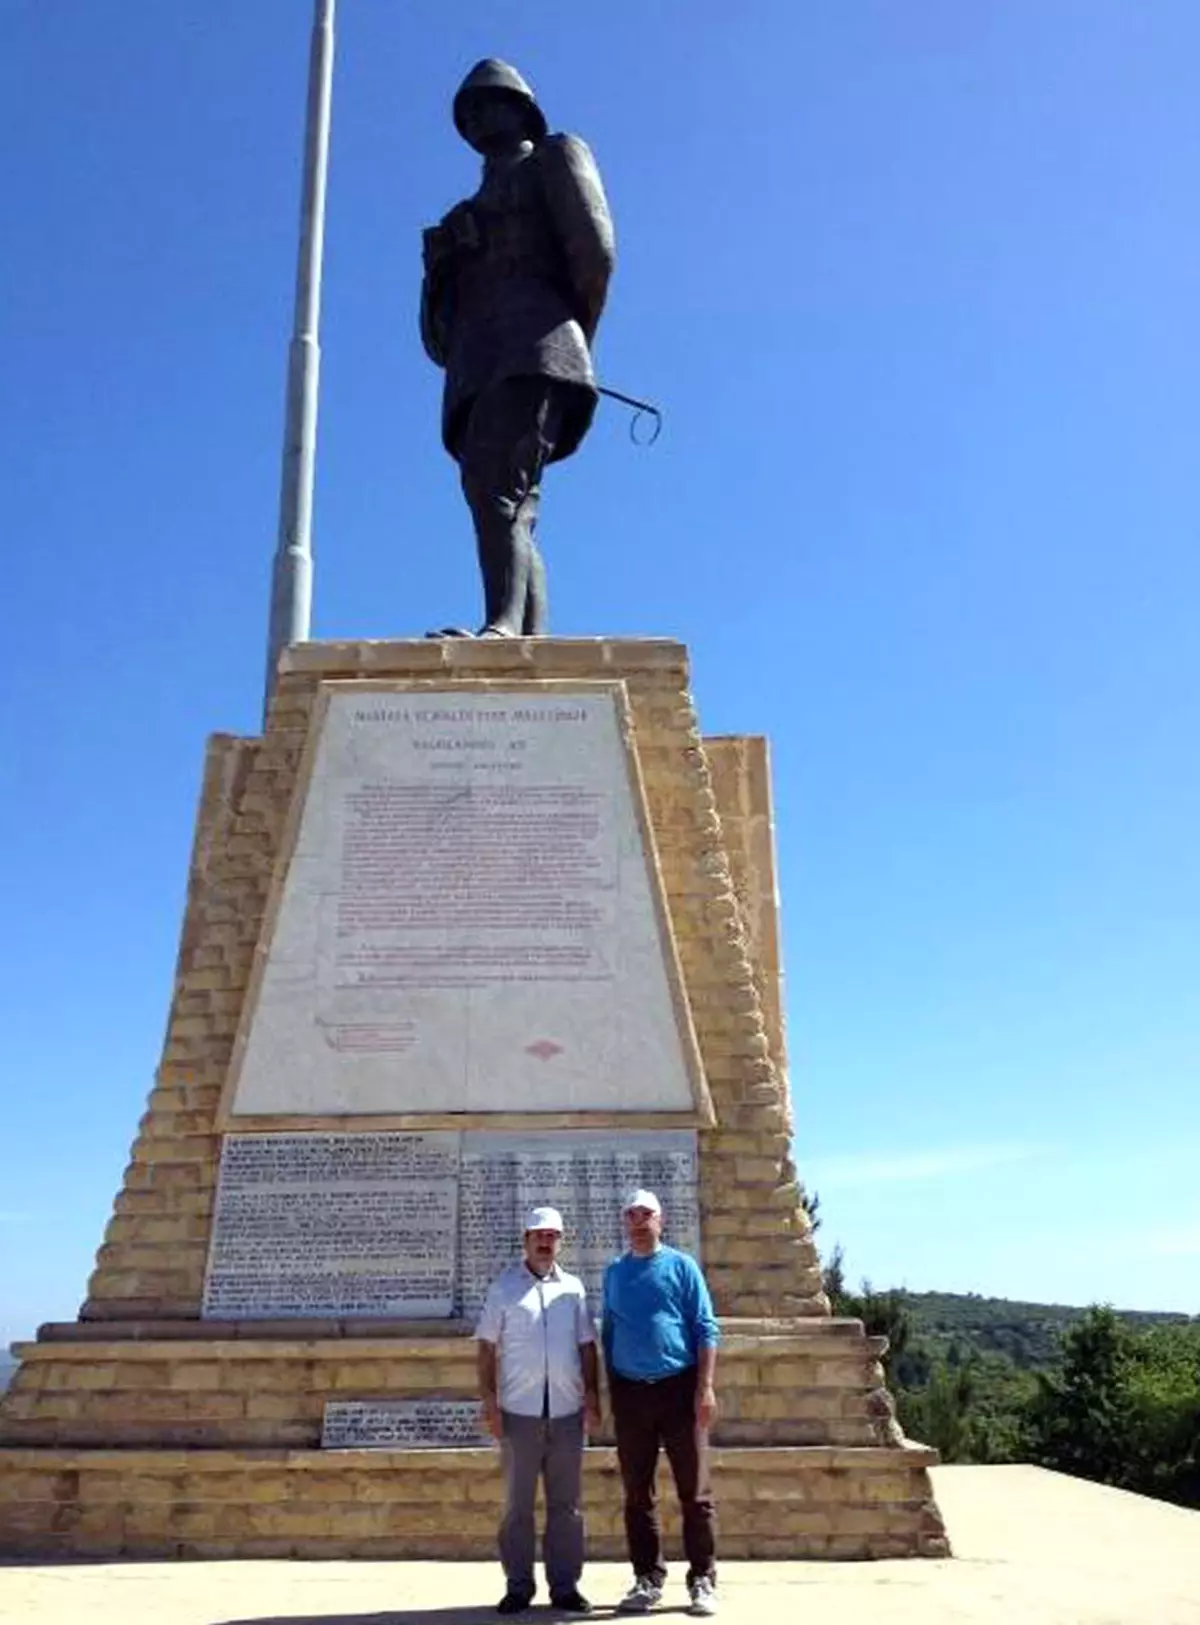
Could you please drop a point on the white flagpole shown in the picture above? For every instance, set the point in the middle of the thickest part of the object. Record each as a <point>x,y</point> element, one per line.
<point>291,586</point>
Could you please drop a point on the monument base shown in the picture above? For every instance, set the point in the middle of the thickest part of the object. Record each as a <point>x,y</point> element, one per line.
<point>118,1440</point>
<point>152,1427</point>
<point>808,1501</point>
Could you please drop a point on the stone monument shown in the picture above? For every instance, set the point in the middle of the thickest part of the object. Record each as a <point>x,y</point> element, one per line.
<point>477,922</point>
<point>472,921</point>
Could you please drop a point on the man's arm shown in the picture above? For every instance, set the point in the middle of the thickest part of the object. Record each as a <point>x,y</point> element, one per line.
<point>485,1366</point>
<point>606,1328</point>
<point>589,1360</point>
<point>589,1363</point>
<point>706,1396</point>
<point>705,1335</point>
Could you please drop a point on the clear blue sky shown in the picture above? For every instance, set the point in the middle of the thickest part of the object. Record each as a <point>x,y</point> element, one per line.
<point>918,287</point>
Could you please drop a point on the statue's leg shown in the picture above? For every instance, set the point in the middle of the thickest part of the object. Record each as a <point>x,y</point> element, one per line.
<point>536,618</point>
<point>503,451</point>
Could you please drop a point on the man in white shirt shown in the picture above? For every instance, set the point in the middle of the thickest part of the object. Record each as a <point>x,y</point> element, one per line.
<point>539,1382</point>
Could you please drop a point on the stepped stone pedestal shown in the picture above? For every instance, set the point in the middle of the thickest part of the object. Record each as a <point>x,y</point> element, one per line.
<point>472,922</point>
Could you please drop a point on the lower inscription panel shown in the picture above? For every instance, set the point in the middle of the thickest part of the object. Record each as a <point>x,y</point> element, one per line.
<point>418,1225</point>
<point>402,1424</point>
<point>584,1174</point>
<point>334,1224</point>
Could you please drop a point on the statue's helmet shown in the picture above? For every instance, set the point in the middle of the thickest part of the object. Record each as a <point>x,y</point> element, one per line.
<point>493,75</point>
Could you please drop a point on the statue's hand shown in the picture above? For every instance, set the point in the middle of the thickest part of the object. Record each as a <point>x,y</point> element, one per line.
<point>456,233</point>
<point>436,247</point>
<point>463,227</point>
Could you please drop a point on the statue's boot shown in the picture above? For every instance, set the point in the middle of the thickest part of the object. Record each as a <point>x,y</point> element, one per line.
<point>450,632</point>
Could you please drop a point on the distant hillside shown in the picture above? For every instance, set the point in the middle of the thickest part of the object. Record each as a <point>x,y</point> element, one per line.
<point>1028,1334</point>
<point>7,1366</point>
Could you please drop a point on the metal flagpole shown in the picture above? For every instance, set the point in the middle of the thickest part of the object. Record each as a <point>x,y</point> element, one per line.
<point>291,585</point>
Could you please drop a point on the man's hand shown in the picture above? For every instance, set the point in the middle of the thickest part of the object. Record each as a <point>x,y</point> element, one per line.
<point>589,1361</point>
<point>706,1407</point>
<point>489,1418</point>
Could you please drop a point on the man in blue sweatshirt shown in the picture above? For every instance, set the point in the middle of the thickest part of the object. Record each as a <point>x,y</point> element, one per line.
<point>660,1346</point>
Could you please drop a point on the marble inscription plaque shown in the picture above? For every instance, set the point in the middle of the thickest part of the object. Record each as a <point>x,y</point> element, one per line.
<point>402,1424</point>
<point>418,1225</point>
<point>585,1174</point>
<point>470,920</point>
<point>334,1224</point>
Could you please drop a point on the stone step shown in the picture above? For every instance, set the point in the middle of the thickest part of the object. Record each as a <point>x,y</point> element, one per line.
<point>772,1503</point>
<point>753,1355</point>
<point>784,1388</point>
<point>115,1327</point>
<point>126,1428</point>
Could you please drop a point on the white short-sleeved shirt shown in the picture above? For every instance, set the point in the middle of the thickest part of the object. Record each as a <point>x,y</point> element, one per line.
<point>537,1324</point>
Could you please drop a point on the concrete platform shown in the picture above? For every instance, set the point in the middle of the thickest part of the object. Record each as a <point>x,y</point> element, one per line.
<point>1032,1548</point>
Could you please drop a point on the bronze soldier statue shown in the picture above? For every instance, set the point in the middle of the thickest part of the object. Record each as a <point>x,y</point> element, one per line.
<point>515,282</point>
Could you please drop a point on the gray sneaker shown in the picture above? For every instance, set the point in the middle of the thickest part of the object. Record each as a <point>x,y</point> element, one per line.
<point>703,1593</point>
<point>643,1595</point>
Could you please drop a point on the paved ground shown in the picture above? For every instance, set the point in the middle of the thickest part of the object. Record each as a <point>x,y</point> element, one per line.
<point>1032,1548</point>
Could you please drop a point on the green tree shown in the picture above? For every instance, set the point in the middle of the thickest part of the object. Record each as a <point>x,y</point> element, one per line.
<point>1000,1409</point>
<point>882,1313</point>
<point>1124,1407</point>
<point>833,1280</point>
<point>1104,1396</point>
<point>1082,1415</point>
<point>1164,1385</point>
<point>941,1413</point>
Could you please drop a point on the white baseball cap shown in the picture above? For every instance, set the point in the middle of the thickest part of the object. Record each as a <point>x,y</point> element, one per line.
<point>646,1199</point>
<point>543,1218</point>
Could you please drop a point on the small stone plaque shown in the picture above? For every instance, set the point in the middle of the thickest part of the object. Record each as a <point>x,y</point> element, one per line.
<point>402,1424</point>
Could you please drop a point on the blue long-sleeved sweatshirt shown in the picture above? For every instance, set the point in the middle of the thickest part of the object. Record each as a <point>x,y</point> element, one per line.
<point>657,1314</point>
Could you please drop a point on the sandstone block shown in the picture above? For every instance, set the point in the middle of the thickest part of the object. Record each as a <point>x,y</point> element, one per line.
<point>282,1407</point>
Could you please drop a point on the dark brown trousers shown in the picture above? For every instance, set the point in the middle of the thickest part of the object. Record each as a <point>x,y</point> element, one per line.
<point>646,1415</point>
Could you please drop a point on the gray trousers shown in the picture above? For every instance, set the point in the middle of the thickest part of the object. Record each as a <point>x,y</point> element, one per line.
<point>552,1450</point>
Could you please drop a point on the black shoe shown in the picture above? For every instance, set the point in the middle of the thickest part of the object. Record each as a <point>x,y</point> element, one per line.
<point>571,1602</point>
<point>513,1602</point>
